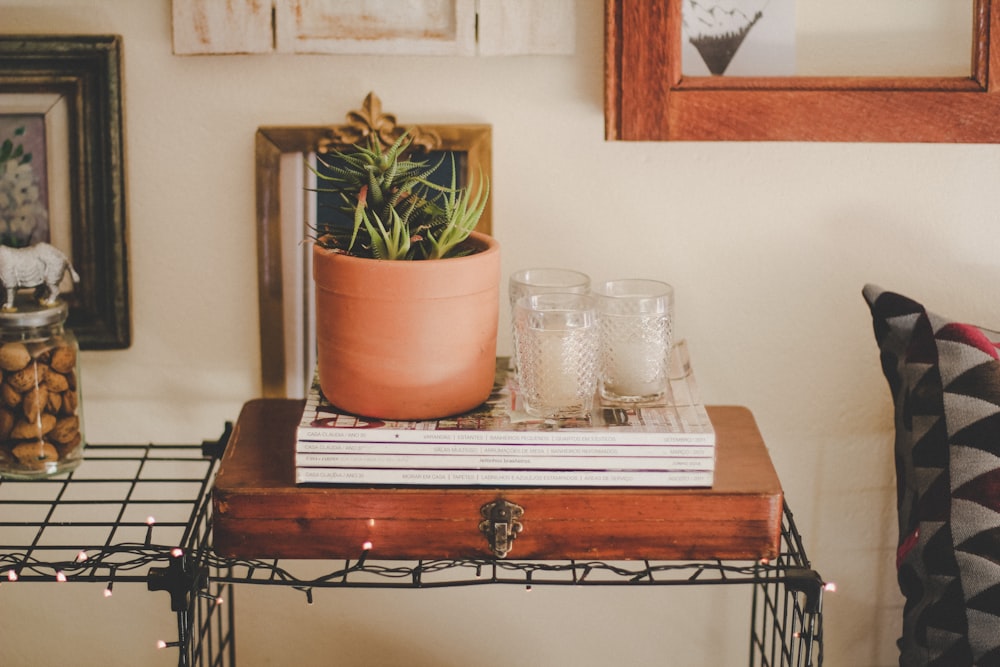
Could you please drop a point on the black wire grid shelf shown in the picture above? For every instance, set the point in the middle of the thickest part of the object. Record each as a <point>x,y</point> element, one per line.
<point>142,513</point>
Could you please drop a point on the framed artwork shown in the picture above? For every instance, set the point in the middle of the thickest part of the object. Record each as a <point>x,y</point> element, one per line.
<point>286,205</point>
<point>425,27</point>
<point>647,98</point>
<point>62,170</point>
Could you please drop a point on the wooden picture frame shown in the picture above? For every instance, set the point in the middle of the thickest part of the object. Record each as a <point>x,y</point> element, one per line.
<point>284,208</point>
<point>74,82</point>
<point>418,27</point>
<point>648,99</point>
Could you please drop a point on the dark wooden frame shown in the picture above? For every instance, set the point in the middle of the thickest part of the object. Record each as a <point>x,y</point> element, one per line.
<point>272,143</point>
<point>86,72</point>
<point>648,99</point>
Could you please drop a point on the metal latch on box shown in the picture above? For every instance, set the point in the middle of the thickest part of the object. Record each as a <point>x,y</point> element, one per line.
<point>501,523</point>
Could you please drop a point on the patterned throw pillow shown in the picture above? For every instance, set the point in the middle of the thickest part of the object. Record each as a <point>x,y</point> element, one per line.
<point>945,382</point>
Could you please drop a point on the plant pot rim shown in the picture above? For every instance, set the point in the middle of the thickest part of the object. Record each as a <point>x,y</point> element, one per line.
<point>452,275</point>
<point>483,244</point>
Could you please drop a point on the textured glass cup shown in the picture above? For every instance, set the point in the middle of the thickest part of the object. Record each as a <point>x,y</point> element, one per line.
<point>635,318</point>
<point>541,281</point>
<point>556,342</point>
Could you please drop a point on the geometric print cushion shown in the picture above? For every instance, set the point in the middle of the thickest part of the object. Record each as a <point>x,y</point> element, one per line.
<point>945,382</point>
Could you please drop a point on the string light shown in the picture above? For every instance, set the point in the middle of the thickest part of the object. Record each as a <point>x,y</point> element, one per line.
<point>365,548</point>
<point>830,586</point>
<point>12,575</point>
<point>217,599</point>
<point>111,584</point>
<point>60,576</point>
<point>162,644</point>
<point>150,522</point>
<point>82,557</point>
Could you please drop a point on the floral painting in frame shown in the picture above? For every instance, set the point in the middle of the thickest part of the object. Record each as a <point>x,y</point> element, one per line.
<point>24,210</point>
<point>62,170</point>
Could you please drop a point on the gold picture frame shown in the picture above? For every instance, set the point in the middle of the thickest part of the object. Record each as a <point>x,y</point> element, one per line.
<point>285,207</point>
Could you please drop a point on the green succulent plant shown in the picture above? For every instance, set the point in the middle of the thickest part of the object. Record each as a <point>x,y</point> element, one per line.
<point>395,211</point>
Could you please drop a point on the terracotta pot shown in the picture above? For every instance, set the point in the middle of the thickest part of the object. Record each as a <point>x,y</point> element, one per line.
<point>407,339</point>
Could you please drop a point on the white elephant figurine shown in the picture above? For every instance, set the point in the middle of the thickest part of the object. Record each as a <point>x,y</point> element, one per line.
<point>40,266</point>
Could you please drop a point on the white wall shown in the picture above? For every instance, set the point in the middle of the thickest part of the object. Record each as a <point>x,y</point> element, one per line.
<point>768,246</point>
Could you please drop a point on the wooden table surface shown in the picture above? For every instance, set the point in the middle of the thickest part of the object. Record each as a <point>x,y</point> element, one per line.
<point>259,512</point>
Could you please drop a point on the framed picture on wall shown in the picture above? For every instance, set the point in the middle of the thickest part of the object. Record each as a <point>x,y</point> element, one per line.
<point>62,170</point>
<point>648,97</point>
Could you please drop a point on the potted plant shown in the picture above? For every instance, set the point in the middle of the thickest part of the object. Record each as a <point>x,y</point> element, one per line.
<point>407,293</point>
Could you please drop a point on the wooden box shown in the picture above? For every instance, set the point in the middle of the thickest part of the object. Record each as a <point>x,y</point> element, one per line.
<point>259,512</point>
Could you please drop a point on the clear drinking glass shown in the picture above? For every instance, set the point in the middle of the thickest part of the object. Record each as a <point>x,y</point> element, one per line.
<point>540,281</point>
<point>635,318</point>
<point>556,341</point>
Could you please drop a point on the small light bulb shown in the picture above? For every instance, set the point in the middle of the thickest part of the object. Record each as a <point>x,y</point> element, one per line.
<point>107,592</point>
<point>11,575</point>
<point>161,644</point>
<point>150,521</point>
<point>81,557</point>
<point>177,552</point>
<point>830,586</point>
<point>367,546</point>
<point>60,576</point>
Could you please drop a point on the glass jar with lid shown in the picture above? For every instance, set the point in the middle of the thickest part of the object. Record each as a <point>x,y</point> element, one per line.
<point>41,424</point>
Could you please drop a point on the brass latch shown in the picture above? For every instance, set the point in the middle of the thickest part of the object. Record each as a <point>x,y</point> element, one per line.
<point>501,524</point>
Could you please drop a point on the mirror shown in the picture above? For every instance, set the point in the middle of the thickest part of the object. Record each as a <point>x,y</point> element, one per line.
<point>647,98</point>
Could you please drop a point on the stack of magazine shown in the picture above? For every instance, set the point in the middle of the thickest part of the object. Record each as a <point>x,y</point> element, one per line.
<point>668,444</point>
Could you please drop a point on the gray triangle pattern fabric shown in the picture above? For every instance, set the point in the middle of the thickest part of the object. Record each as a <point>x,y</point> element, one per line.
<point>963,411</point>
<point>964,358</point>
<point>978,460</point>
<point>944,377</point>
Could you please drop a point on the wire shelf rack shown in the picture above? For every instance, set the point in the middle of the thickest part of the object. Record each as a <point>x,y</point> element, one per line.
<point>121,512</point>
<point>142,513</point>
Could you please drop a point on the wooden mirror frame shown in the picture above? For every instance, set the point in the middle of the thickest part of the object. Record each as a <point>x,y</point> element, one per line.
<point>283,255</point>
<point>648,99</point>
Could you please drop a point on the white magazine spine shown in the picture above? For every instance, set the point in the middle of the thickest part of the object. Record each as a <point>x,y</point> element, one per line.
<point>466,462</point>
<point>400,477</point>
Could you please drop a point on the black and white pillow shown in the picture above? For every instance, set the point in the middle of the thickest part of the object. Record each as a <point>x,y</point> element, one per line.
<point>945,382</point>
